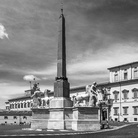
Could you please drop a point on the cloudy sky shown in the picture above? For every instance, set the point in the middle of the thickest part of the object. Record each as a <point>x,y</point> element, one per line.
<point>99,34</point>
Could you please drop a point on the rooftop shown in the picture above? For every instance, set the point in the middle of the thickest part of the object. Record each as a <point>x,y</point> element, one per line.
<point>131,63</point>
<point>19,98</point>
<point>6,112</point>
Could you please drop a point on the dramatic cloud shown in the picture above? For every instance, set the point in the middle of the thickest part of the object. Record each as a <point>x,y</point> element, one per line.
<point>30,78</point>
<point>3,33</point>
<point>99,34</point>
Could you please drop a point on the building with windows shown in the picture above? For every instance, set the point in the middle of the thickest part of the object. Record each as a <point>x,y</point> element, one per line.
<point>124,91</point>
<point>15,117</point>
<point>18,109</point>
<point>19,103</point>
<point>123,84</point>
<point>23,103</point>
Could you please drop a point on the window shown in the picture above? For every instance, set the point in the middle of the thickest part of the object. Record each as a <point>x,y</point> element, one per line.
<point>28,104</point>
<point>7,107</point>
<point>116,109</point>
<point>135,119</point>
<point>135,72</point>
<point>10,106</point>
<point>135,93</point>
<point>24,105</point>
<point>116,77</point>
<point>116,119</point>
<point>125,110</point>
<point>116,93</point>
<point>18,105</point>
<point>14,117</point>
<point>135,110</point>
<point>24,117</point>
<point>125,74</point>
<point>5,117</point>
<point>116,96</point>
<point>125,94</point>
<point>21,105</point>
<point>44,103</point>
<point>125,120</point>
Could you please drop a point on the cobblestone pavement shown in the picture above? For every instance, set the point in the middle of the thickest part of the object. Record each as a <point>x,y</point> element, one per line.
<point>128,131</point>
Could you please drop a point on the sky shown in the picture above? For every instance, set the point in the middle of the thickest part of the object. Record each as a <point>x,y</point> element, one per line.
<point>99,34</point>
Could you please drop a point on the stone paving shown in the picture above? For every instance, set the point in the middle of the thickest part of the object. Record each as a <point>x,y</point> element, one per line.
<point>61,133</point>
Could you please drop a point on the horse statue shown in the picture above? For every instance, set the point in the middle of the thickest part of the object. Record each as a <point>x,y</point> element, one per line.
<point>37,98</point>
<point>90,96</point>
<point>79,98</point>
<point>46,99</point>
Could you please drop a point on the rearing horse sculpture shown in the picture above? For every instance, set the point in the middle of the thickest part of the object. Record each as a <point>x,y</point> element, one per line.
<point>90,96</point>
<point>37,98</point>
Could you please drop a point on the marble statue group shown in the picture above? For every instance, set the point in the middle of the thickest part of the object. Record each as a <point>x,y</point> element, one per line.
<point>40,99</point>
<point>92,97</point>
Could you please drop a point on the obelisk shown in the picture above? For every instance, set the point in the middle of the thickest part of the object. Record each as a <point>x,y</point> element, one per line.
<point>61,85</point>
<point>59,117</point>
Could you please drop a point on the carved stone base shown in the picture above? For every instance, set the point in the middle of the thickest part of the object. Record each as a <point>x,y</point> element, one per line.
<point>39,118</point>
<point>86,118</point>
<point>60,102</point>
<point>60,118</point>
<point>77,118</point>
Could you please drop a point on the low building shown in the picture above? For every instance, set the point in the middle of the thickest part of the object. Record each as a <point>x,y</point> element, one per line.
<point>15,117</point>
<point>20,103</point>
<point>18,109</point>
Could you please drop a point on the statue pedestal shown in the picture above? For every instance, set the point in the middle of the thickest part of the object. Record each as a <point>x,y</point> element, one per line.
<point>77,118</point>
<point>40,118</point>
<point>86,118</point>
<point>60,116</point>
<point>60,102</point>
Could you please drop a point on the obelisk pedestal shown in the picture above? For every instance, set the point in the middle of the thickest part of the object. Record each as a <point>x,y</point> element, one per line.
<point>60,116</point>
<point>86,119</point>
<point>61,97</point>
<point>40,118</point>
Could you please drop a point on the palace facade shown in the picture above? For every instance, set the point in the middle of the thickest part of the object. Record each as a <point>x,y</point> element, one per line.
<point>124,91</point>
<point>123,84</point>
